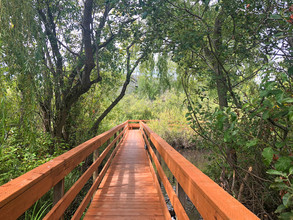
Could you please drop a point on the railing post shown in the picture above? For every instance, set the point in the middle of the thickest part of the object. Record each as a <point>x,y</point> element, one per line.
<point>115,135</point>
<point>95,157</point>
<point>160,161</point>
<point>120,136</point>
<point>181,194</point>
<point>58,193</point>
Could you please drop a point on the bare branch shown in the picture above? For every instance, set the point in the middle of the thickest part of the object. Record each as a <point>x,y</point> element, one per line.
<point>130,70</point>
<point>67,48</point>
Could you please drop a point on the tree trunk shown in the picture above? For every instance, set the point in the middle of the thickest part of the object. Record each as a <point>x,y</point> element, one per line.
<point>221,86</point>
<point>212,54</point>
<point>47,121</point>
<point>60,123</point>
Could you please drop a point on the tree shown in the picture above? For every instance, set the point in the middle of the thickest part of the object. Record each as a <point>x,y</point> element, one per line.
<point>222,47</point>
<point>63,48</point>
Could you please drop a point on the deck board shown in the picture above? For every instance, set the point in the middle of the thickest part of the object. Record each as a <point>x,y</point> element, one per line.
<point>128,190</point>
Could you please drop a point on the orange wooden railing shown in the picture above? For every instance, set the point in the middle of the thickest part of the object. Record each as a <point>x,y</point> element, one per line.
<point>209,198</point>
<point>134,124</point>
<point>21,193</point>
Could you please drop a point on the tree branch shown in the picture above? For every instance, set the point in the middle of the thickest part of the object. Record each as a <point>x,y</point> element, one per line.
<point>123,90</point>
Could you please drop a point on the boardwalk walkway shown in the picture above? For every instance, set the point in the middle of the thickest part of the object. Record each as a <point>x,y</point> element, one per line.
<point>127,187</point>
<point>128,191</point>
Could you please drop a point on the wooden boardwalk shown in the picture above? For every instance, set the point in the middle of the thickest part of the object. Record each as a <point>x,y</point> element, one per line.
<point>128,190</point>
<point>127,187</point>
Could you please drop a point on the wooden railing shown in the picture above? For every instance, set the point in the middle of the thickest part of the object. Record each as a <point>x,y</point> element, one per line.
<point>211,201</point>
<point>21,193</point>
<point>134,124</point>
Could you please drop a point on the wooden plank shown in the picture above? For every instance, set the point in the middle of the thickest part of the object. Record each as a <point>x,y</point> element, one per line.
<point>128,204</point>
<point>110,199</point>
<point>125,212</point>
<point>21,193</point>
<point>128,188</point>
<point>209,198</point>
<point>127,217</point>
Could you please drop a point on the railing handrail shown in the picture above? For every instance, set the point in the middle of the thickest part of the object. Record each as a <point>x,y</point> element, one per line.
<point>21,193</point>
<point>212,201</point>
<point>136,121</point>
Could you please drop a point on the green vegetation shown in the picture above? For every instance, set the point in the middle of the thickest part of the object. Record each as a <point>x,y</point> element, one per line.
<point>214,76</point>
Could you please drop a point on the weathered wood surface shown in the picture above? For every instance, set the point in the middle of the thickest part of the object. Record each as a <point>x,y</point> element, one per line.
<point>209,198</point>
<point>128,190</point>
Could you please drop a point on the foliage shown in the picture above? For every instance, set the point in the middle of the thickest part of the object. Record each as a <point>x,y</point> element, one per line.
<point>47,66</point>
<point>157,75</point>
<point>235,59</point>
<point>166,114</point>
<point>283,184</point>
<point>223,67</point>
<point>57,51</point>
<point>37,213</point>
<point>19,156</point>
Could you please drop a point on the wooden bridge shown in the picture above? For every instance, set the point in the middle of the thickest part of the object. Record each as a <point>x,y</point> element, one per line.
<point>127,187</point>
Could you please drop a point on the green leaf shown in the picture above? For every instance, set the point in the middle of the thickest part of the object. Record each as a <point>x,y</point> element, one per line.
<point>266,115</point>
<point>252,143</point>
<point>279,34</point>
<point>278,180</point>
<point>280,208</point>
<point>227,137</point>
<point>276,172</point>
<point>268,154</point>
<point>233,116</point>
<point>286,216</point>
<point>263,93</point>
<point>283,164</point>
<point>291,171</point>
<point>287,199</point>
<point>279,186</point>
<point>280,144</point>
<point>288,100</point>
